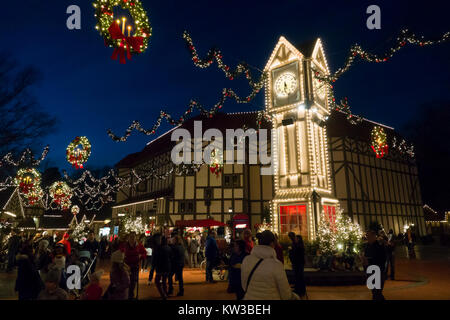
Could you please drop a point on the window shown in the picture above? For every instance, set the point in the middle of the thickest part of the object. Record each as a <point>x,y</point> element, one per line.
<point>186,207</point>
<point>293,218</point>
<point>231,180</point>
<point>330,214</point>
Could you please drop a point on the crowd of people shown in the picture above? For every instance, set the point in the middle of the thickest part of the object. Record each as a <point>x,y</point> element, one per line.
<point>255,265</point>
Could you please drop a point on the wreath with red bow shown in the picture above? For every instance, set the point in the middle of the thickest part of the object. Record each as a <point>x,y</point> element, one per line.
<point>109,27</point>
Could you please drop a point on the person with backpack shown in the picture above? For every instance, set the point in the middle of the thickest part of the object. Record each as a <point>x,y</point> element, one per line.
<point>262,275</point>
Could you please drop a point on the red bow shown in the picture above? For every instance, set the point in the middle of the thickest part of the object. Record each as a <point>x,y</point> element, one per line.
<point>133,42</point>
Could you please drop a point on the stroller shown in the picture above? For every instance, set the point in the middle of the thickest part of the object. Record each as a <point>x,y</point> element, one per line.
<point>85,264</point>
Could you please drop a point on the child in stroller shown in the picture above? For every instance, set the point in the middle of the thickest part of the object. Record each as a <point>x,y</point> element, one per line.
<point>83,260</point>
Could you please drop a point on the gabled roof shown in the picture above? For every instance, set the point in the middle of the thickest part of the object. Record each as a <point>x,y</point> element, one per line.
<point>220,121</point>
<point>5,195</point>
<point>282,42</point>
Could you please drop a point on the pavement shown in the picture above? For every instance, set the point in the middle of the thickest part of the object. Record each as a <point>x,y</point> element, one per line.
<point>425,278</point>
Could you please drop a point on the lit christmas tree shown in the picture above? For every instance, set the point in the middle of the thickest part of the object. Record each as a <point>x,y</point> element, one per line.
<point>133,224</point>
<point>342,236</point>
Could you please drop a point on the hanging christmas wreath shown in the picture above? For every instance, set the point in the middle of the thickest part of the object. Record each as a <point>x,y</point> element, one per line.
<point>75,210</point>
<point>27,179</point>
<point>113,28</point>
<point>216,162</point>
<point>379,142</point>
<point>61,193</point>
<point>34,196</point>
<point>77,156</point>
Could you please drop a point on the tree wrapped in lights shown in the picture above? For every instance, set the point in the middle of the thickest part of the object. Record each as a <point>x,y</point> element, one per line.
<point>133,224</point>
<point>79,231</point>
<point>77,156</point>
<point>114,37</point>
<point>342,236</point>
<point>379,141</point>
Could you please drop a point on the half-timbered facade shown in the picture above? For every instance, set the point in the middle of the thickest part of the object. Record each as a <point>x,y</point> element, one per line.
<point>320,161</point>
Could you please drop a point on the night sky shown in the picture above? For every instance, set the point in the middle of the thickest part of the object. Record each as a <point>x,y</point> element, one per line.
<point>89,93</point>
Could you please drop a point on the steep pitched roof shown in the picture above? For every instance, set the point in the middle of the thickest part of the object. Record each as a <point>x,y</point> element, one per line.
<point>5,195</point>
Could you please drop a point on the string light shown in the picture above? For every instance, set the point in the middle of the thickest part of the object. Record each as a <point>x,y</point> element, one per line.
<point>26,158</point>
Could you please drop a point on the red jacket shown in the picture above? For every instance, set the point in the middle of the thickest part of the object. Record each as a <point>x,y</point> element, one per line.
<point>248,245</point>
<point>279,252</point>
<point>133,254</point>
<point>66,244</point>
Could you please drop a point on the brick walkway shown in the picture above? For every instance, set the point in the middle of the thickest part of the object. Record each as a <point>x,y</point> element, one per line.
<point>427,277</point>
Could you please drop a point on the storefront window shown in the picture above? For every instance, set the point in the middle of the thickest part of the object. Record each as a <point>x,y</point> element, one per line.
<point>293,218</point>
<point>330,213</point>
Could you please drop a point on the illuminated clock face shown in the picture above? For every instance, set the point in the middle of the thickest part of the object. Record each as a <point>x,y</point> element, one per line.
<point>286,84</point>
<point>320,89</point>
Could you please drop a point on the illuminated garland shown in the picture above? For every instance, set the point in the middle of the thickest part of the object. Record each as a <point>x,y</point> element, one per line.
<point>26,157</point>
<point>193,104</point>
<point>27,179</point>
<point>61,193</point>
<point>76,156</point>
<point>110,29</point>
<point>403,147</point>
<point>133,224</point>
<point>356,51</point>
<point>379,141</point>
<point>216,55</point>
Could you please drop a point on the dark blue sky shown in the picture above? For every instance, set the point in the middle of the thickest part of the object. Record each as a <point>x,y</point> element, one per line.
<point>90,93</point>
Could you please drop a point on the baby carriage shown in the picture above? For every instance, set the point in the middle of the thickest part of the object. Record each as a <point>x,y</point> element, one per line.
<point>85,263</point>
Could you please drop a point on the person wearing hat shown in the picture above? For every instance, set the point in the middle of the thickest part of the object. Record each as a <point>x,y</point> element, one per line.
<point>52,290</point>
<point>93,290</point>
<point>66,243</point>
<point>119,278</point>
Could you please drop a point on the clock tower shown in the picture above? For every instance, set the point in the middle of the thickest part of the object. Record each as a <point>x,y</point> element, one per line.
<point>298,105</point>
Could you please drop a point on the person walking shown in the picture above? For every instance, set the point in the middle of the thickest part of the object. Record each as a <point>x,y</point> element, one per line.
<point>279,249</point>
<point>161,261</point>
<point>297,257</point>
<point>13,249</point>
<point>211,254</point>
<point>43,258</point>
<point>262,275</point>
<point>236,259</point>
<point>93,247</point>
<point>194,247</point>
<point>119,278</point>
<point>249,244</point>
<point>134,254</point>
<point>28,282</point>
<point>390,254</point>
<point>177,265</point>
<point>375,254</point>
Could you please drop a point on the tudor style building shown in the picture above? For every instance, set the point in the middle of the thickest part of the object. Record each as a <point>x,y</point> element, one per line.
<point>320,162</point>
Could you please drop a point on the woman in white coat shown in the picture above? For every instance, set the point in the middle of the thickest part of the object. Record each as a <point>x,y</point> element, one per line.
<point>268,280</point>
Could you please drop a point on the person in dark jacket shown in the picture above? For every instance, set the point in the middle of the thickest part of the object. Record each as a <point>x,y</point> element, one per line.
<point>43,258</point>
<point>161,260</point>
<point>177,265</point>
<point>391,254</point>
<point>28,282</point>
<point>212,254</point>
<point>375,254</point>
<point>13,249</point>
<point>93,247</point>
<point>278,249</point>
<point>238,255</point>
<point>297,257</point>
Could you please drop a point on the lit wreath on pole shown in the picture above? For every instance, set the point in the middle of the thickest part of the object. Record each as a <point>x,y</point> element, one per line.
<point>113,29</point>
<point>78,156</point>
<point>27,179</point>
<point>61,193</point>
